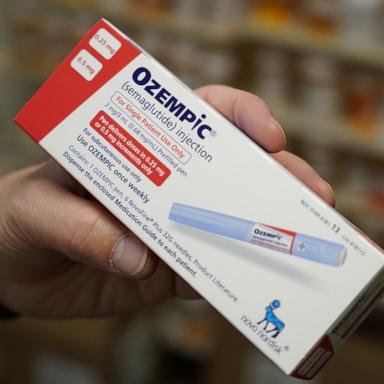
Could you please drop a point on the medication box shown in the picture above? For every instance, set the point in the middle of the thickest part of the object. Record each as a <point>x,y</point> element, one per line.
<point>287,270</point>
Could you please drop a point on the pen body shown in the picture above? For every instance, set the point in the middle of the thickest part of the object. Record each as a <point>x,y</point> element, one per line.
<point>277,239</point>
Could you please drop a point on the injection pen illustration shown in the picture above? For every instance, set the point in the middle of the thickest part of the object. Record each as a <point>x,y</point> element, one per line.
<point>281,240</point>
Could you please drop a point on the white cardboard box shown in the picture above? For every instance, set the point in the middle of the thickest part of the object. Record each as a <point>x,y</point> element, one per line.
<point>193,188</point>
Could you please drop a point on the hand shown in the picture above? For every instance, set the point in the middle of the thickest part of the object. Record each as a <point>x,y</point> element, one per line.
<point>63,255</point>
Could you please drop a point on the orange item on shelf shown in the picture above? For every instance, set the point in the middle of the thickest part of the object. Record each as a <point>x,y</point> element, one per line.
<point>275,12</point>
<point>363,99</point>
<point>320,16</point>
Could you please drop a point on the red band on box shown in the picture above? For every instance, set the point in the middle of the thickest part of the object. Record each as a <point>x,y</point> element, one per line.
<point>130,148</point>
<point>66,89</point>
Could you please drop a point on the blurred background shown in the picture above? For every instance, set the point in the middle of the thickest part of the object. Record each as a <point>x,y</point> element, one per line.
<point>320,66</point>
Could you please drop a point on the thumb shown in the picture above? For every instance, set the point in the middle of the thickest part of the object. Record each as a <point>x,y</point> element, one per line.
<point>98,239</point>
<point>86,232</point>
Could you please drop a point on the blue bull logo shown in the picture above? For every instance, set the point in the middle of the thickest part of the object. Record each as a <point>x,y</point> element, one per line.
<point>271,318</point>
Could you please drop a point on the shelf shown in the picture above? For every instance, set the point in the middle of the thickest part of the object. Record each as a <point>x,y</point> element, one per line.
<point>293,37</point>
<point>297,38</point>
<point>257,32</point>
<point>162,22</point>
<point>340,134</point>
<point>167,23</point>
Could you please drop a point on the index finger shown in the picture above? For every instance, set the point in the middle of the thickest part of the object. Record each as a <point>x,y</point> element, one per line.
<point>248,112</point>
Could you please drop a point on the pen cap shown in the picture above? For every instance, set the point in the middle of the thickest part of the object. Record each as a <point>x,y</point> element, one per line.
<point>209,221</point>
<point>321,251</point>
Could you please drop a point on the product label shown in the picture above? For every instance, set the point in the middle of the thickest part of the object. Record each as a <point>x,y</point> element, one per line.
<point>130,148</point>
<point>104,43</point>
<point>272,238</point>
<point>86,65</point>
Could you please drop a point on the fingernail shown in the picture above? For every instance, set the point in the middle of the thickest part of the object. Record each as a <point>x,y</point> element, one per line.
<point>129,256</point>
<point>277,125</point>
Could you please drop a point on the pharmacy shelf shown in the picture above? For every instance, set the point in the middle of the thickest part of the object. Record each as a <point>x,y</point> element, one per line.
<point>169,24</point>
<point>158,21</point>
<point>339,134</point>
<point>291,36</point>
<point>299,39</point>
<point>294,38</point>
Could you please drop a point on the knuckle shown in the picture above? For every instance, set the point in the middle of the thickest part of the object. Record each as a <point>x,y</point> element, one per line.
<point>21,210</point>
<point>22,200</point>
<point>83,233</point>
<point>90,239</point>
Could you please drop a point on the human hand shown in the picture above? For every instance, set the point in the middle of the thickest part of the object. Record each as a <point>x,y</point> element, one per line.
<point>63,255</point>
